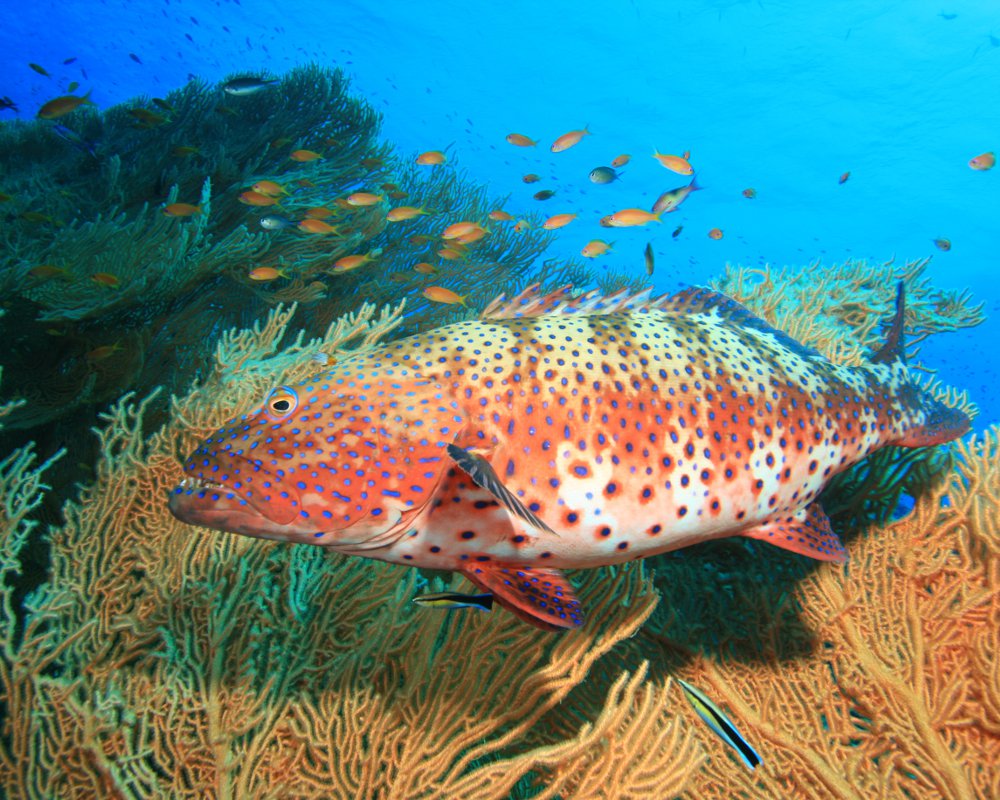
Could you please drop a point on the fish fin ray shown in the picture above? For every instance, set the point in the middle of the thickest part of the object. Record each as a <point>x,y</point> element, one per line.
<point>695,300</point>
<point>532,303</point>
<point>480,470</point>
<point>542,597</point>
<point>806,532</point>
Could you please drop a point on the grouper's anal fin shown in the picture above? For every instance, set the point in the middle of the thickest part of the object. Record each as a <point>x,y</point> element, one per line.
<point>542,597</point>
<point>806,532</point>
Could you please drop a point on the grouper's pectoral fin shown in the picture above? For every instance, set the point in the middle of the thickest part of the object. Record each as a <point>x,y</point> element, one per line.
<point>479,469</point>
<point>806,532</point>
<point>542,597</point>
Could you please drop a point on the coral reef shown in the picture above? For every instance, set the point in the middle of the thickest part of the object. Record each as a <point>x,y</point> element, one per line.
<point>163,661</point>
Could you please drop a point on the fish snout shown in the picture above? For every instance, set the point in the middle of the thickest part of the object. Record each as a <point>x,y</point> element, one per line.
<point>220,485</point>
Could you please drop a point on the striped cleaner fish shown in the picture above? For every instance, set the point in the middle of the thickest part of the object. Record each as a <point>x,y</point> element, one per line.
<point>561,432</point>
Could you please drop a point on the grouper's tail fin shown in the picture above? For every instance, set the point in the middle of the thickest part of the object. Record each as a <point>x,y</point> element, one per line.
<point>925,420</point>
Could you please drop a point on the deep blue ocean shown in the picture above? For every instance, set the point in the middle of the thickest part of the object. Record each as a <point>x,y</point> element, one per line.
<point>780,97</point>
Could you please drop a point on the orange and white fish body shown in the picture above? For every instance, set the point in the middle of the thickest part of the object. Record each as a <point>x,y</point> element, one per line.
<point>629,218</point>
<point>678,164</point>
<point>568,140</point>
<point>982,162</point>
<point>559,432</point>
<point>431,158</point>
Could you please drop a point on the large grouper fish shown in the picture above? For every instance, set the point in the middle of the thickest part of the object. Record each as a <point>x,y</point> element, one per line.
<point>560,432</point>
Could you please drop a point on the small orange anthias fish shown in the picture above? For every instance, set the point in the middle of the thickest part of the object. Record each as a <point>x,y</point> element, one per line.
<point>266,274</point>
<point>843,178</point>
<point>520,140</point>
<point>678,164</point>
<point>595,248</point>
<point>304,156</point>
<point>319,212</point>
<point>431,158</point>
<point>181,210</point>
<point>269,188</point>
<point>254,198</point>
<point>108,279</point>
<point>983,162</point>
<point>457,229</point>
<point>629,217</point>
<point>561,432</point>
<point>61,106</point>
<point>558,221</point>
<point>317,226</point>
<point>452,253</point>
<point>567,140</point>
<point>441,295</point>
<point>403,213</point>
<point>364,199</point>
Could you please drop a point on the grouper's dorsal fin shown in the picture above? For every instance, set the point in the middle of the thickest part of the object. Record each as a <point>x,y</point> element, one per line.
<point>892,350</point>
<point>532,303</point>
<point>696,300</point>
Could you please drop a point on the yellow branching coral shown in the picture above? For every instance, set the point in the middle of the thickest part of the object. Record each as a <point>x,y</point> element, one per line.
<point>837,309</point>
<point>164,661</point>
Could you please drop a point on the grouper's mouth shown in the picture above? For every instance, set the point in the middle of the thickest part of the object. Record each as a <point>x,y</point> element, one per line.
<point>228,492</point>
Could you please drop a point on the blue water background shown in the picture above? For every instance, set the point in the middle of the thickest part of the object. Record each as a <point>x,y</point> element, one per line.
<point>780,96</point>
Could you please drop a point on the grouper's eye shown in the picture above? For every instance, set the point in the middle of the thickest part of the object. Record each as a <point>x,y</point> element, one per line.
<point>281,402</point>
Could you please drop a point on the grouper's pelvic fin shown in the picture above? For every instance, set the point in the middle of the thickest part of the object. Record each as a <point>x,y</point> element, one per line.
<point>927,421</point>
<point>539,596</point>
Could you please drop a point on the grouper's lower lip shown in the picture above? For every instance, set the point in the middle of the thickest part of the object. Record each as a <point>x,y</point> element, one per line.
<point>233,517</point>
<point>217,485</point>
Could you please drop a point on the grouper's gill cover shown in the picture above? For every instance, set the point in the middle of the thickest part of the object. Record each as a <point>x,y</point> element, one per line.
<point>348,452</point>
<point>562,432</point>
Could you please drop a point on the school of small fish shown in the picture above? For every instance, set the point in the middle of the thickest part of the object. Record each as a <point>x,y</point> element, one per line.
<point>330,220</point>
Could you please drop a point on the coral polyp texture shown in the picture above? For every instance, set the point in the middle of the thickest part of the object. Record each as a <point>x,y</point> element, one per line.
<point>163,661</point>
